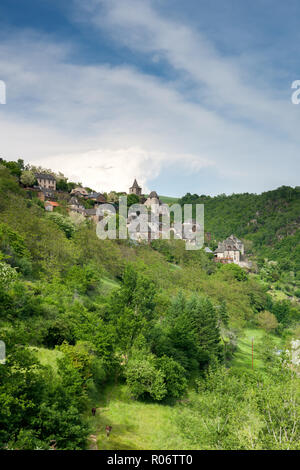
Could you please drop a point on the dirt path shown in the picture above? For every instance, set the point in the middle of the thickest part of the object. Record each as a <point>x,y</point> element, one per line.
<point>93,442</point>
<point>97,429</point>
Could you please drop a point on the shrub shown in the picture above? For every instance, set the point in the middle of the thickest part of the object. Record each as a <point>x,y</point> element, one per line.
<point>174,374</point>
<point>267,321</point>
<point>145,380</point>
<point>64,223</point>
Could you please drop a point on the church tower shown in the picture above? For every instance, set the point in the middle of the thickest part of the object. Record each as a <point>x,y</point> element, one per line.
<point>135,189</point>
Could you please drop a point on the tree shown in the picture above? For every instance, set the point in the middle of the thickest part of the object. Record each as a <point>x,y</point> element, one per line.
<point>236,271</point>
<point>7,275</point>
<point>14,167</point>
<point>267,321</point>
<point>27,178</point>
<point>62,185</point>
<point>174,376</point>
<point>64,223</point>
<point>145,380</point>
<point>132,199</point>
<point>204,320</point>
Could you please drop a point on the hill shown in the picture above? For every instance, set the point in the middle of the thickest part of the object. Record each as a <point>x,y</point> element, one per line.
<point>84,318</point>
<point>269,223</point>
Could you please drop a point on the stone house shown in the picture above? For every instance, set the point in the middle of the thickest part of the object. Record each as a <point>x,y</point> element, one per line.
<point>91,214</point>
<point>46,181</point>
<point>81,192</point>
<point>230,250</point>
<point>50,205</point>
<point>75,206</point>
<point>154,204</point>
<point>96,197</point>
<point>153,200</point>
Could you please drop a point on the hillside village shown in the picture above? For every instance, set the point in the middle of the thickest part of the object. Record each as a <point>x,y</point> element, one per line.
<point>230,250</point>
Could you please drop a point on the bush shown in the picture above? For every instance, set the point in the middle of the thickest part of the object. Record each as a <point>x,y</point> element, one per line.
<point>236,271</point>
<point>267,321</point>
<point>64,223</point>
<point>174,376</point>
<point>145,380</point>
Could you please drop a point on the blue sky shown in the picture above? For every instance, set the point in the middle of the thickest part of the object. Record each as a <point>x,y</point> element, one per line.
<point>190,96</point>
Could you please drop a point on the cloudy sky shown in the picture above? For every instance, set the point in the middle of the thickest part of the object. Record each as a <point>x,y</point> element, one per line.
<point>186,96</point>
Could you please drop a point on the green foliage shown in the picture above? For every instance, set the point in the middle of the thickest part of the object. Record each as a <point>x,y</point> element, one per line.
<point>109,311</point>
<point>174,376</point>
<point>235,271</point>
<point>36,408</point>
<point>132,199</point>
<point>190,333</point>
<point>7,275</point>
<point>243,411</point>
<point>15,168</point>
<point>267,321</point>
<point>12,243</point>
<point>83,279</point>
<point>268,223</point>
<point>62,185</point>
<point>145,380</point>
<point>64,223</point>
<point>27,178</point>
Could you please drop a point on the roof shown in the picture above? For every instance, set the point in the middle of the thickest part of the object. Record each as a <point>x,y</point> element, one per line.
<point>90,211</point>
<point>45,176</point>
<point>221,248</point>
<point>97,196</point>
<point>153,194</point>
<point>101,198</point>
<point>135,185</point>
<point>230,244</point>
<point>233,238</point>
<point>51,203</point>
<point>79,190</point>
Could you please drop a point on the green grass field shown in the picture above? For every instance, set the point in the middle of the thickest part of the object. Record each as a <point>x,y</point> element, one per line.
<point>136,425</point>
<point>243,356</point>
<point>141,425</point>
<point>48,357</point>
<point>107,285</point>
<point>168,199</point>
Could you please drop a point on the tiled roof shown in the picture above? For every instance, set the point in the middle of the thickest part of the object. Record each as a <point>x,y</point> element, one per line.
<point>45,176</point>
<point>52,203</point>
<point>90,211</point>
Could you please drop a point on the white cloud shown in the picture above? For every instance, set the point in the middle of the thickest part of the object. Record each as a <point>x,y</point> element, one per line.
<point>105,125</point>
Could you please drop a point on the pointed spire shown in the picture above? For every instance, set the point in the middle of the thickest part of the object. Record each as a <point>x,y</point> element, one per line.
<point>135,184</point>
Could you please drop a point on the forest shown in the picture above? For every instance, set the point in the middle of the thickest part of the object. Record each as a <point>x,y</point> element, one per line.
<point>153,336</point>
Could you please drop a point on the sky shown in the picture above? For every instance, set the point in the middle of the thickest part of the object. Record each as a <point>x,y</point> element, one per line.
<point>190,96</point>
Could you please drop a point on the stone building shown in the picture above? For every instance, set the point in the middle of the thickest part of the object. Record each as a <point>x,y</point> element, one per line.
<point>153,200</point>
<point>230,250</point>
<point>50,205</point>
<point>75,206</point>
<point>46,181</point>
<point>135,189</point>
<point>98,198</point>
<point>80,192</point>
